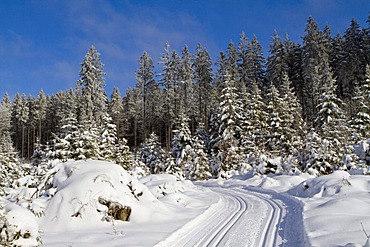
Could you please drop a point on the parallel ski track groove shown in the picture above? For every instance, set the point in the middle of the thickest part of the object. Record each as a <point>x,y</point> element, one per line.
<point>216,236</point>
<point>215,227</point>
<point>271,229</point>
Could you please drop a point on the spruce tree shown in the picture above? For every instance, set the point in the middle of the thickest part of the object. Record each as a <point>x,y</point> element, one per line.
<point>200,163</point>
<point>314,54</point>
<point>360,122</point>
<point>202,67</point>
<point>330,125</point>
<point>276,62</point>
<point>182,145</point>
<point>115,109</point>
<point>10,170</point>
<point>90,88</point>
<point>152,154</point>
<point>226,147</point>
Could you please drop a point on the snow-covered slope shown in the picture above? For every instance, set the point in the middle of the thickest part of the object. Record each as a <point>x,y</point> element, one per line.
<point>332,210</point>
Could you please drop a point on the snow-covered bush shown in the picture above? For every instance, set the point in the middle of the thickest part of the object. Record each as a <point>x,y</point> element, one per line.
<point>18,226</point>
<point>75,188</point>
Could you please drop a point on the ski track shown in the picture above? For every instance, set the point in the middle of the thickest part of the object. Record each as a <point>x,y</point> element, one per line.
<point>244,217</point>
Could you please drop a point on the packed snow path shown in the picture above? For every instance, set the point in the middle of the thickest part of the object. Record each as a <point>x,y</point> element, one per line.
<point>244,217</point>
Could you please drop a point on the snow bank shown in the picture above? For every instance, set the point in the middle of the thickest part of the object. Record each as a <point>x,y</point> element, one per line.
<point>335,207</point>
<point>77,186</point>
<point>18,226</point>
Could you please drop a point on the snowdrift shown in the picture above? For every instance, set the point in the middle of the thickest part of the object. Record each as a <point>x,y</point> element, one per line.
<point>77,186</point>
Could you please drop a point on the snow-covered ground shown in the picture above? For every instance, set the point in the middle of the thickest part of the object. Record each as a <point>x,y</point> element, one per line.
<point>248,210</point>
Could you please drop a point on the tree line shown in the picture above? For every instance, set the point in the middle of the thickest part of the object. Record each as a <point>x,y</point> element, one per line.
<point>300,109</point>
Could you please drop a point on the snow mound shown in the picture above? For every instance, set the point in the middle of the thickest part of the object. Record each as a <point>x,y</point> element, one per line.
<point>170,190</point>
<point>18,226</point>
<point>338,182</point>
<point>76,187</point>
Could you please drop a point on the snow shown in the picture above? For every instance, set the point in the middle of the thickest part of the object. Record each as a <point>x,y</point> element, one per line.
<point>246,210</point>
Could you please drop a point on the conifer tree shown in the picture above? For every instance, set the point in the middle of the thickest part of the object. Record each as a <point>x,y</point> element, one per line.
<point>314,54</point>
<point>256,129</point>
<point>330,125</point>
<point>153,155</point>
<point>360,122</point>
<point>276,62</point>
<point>20,113</point>
<point>182,145</point>
<point>148,91</point>
<point>123,156</point>
<point>168,100</point>
<point>352,61</point>
<point>226,146</point>
<point>108,140</point>
<point>256,63</point>
<point>92,103</point>
<point>90,89</point>
<point>10,169</point>
<point>294,128</point>
<point>200,163</point>
<point>276,136</point>
<point>115,109</point>
<point>203,79</point>
<point>187,89</point>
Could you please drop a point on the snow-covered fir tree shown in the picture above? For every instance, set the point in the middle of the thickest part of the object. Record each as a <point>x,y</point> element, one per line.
<point>123,155</point>
<point>294,128</point>
<point>255,128</point>
<point>108,140</point>
<point>199,169</point>
<point>115,109</point>
<point>152,154</point>
<point>360,122</point>
<point>332,130</point>
<point>90,89</point>
<point>226,148</point>
<point>182,145</point>
<point>10,169</point>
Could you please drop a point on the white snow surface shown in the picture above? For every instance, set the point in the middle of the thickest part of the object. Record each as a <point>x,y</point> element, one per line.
<point>248,210</point>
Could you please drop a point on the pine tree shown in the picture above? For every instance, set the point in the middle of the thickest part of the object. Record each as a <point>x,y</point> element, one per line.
<point>256,129</point>
<point>64,142</point>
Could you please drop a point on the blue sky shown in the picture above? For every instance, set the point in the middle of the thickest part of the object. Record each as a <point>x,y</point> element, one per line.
<point>42,43</point>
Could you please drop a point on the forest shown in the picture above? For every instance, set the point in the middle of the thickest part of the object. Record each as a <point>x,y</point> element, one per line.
<point>304,108</point>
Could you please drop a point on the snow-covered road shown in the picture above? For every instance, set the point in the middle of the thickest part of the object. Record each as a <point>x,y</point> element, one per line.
<point>244,216</point>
